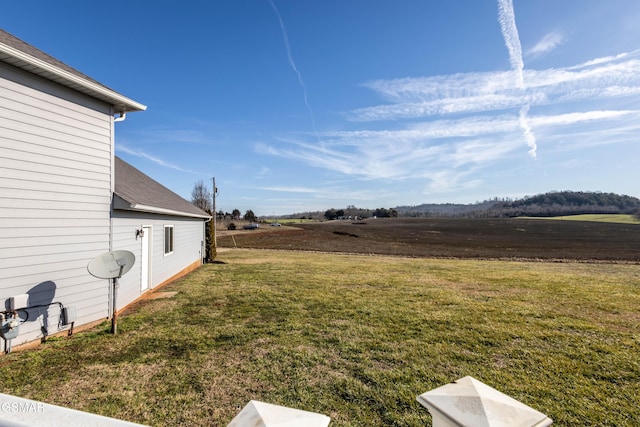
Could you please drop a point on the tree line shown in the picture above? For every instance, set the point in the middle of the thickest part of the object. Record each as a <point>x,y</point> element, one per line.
<point>351,212</point>
<point>555,203</point>
<point>202,198</point>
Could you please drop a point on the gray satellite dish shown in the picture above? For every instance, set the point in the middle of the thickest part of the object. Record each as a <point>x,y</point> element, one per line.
<point>112,265</point>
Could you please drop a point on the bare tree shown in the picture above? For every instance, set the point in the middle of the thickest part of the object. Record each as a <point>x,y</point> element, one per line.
<point>201,196</point>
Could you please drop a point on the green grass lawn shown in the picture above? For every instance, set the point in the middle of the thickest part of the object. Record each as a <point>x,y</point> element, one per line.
<point>293,221</point>
<point>617,218</point>
<point>356,338</point>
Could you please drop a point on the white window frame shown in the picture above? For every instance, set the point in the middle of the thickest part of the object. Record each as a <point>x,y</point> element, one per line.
<point>171,230</point>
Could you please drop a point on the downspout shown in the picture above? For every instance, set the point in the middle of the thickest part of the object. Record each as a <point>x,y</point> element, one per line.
<point>112,290</point>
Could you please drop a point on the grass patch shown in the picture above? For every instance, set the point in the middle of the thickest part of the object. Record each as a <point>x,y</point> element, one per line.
<point>614,218</point>
<point>293,221</point>
<point>356,338</point>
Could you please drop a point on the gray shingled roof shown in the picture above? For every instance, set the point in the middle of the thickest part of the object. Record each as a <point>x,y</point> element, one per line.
<point>22,55</point>
<point>136,191</point>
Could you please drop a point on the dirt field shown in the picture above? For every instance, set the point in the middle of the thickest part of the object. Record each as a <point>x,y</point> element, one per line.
<point>452,238</point>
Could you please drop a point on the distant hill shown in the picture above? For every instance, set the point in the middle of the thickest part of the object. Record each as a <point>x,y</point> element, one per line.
<point>446,209</point>
<point>572,203</point>
<point>555,203</point>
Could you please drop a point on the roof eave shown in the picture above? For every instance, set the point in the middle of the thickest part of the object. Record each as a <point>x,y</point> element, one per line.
<point>156,210</point>
<point>121,103</point>
<point>119,203</point>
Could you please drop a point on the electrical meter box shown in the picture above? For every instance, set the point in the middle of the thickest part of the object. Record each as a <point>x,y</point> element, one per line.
<point>68,315</point>
<point>9,328</point>
<point>19,301</point>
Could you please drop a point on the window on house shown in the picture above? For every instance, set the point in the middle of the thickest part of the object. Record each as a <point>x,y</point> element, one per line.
<point>168,239</point>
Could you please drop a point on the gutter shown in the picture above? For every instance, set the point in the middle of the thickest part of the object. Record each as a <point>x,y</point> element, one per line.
<point>154,209</point>
<point>121,204</point>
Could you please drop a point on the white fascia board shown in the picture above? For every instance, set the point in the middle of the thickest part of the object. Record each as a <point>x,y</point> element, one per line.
<point>164,211</point>
<point>73,78</point>
<point>121,204</point>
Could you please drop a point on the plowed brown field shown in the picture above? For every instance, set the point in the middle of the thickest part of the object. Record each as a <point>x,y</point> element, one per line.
<point>452,238</point>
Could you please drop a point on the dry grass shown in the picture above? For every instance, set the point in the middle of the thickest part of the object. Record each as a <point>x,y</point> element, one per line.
<point>356,338</point>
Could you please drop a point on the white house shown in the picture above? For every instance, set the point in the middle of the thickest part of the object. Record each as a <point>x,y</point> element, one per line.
<point>65,198</point>
<point>165,232</point>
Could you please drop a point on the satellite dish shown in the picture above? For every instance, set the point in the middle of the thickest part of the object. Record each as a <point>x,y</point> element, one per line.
<point>111,265</point>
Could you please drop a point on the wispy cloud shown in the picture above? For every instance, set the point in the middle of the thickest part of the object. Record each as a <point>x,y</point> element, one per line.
<point>446,128</point>
<point>432,130</point>
<point>433,88</point>
<point>301,197</point>
<point>548,43</point>
<point>587,116</point>
<point>139,153</point>
<point>429,148</point>
<point>580,131</point>
<point>605,59</point>
<point>492,92</point>
<point>442,181</point>
<point>284,189</point>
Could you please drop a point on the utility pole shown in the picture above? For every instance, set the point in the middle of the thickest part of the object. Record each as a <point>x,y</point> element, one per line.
<point>213,250</point>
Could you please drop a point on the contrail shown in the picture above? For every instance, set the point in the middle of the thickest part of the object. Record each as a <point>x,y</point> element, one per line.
<point>295,69</point>
<point>528,133</point>
<point>507,19</point>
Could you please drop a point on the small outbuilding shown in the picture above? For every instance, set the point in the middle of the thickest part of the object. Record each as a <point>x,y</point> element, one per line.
<point>165,232</point>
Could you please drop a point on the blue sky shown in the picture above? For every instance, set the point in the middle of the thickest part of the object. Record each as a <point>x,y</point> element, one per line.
<point>299,105</point>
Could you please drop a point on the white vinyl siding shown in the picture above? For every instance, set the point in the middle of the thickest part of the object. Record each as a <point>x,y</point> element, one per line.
<point>55,195</point>
<point>188,237</point>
